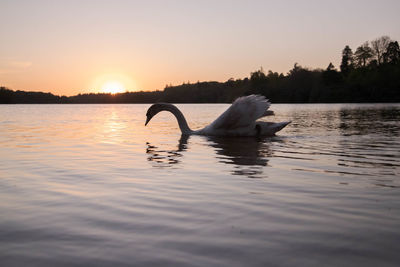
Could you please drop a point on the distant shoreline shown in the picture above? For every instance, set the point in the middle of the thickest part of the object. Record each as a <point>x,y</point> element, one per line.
<point>370,75</point>
<point>40,98</point>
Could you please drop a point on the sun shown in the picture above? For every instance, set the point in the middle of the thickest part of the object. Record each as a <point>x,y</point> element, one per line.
<point>113,83</point>
<point>113,87</point>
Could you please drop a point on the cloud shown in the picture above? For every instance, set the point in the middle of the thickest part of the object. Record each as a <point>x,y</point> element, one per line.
<point>14,66</point>
<point>21,64</point>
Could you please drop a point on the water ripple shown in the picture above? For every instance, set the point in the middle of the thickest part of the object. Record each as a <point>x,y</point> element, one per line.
<point>89,185</point>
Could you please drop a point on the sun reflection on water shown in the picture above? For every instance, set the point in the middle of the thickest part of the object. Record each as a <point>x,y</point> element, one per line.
<point>113,128</point>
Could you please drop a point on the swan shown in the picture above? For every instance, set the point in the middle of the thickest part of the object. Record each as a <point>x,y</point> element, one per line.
<point>240,119</point>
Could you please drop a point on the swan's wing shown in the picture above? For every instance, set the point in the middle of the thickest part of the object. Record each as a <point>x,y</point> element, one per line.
<point>243,112</point>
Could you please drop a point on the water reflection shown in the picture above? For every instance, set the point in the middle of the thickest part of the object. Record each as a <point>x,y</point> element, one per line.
<point>372,148</point>
<point>162,158</point>
<point>363,121</point>
<point>247,155</point>
<point>347,141</point>
<point>67,196</point>
<point>113,127</point>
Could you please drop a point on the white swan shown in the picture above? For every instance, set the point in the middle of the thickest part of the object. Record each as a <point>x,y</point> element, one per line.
<point>238,120</point>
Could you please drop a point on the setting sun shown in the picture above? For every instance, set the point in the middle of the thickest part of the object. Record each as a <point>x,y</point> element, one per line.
<point>113,87</point>
<point>114,83</point>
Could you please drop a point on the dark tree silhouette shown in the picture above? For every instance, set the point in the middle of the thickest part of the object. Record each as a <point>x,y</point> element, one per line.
<point>363,54</point>
<point>392,54</point>
<point>347,60</point>
<point>331,76</point>
<point>379,46</point>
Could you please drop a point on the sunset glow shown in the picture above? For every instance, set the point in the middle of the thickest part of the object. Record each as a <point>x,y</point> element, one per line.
<point>155,43</point>
<point>113,87</point>
<point>113,82</point>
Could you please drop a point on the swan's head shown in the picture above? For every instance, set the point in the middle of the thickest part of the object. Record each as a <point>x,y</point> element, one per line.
<point>153,110</point>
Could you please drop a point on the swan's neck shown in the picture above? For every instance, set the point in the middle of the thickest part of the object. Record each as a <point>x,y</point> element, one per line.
<point>180,118</point>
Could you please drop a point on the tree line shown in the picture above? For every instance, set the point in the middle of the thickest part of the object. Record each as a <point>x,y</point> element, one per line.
<point>370,74</point>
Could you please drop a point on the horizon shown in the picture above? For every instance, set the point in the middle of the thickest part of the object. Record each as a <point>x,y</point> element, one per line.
<point>111,47</point>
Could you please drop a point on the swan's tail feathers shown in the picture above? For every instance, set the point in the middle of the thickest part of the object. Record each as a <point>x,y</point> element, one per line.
<point>280,125</point>
<point>269,128</point>
<point>268,113</point>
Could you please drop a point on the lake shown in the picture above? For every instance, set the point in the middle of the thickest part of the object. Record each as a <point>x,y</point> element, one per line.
<point>90,185</point>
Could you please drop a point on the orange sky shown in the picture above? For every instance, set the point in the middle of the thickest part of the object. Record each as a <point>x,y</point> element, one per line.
<point>71,47</point>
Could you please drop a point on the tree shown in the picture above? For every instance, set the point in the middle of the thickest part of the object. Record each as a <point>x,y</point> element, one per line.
<point>258,75</point>
<point>330,67</point>
<point>258,81</point>
<point>273,75</point>
<point>363,54</point>
<point>347,60</point>
<point>296,68</point>
<point>392,54</point>
<point>331,75</point>
<point>379,46</point>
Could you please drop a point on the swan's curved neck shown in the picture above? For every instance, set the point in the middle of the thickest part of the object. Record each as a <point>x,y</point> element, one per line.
<point>179,117</point>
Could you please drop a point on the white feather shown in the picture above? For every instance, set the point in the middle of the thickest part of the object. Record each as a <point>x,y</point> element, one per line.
<point>242,113</point>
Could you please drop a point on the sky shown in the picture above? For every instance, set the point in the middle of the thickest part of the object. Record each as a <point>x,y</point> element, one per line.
<point>70,47</point>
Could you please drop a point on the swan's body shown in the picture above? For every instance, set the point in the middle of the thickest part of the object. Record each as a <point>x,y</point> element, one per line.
<point>240,119</point>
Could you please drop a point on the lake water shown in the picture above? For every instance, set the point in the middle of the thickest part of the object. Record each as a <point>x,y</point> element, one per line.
<point>89,185</point>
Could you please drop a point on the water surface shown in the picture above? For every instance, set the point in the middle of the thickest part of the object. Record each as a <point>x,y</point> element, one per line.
<point>89,185</point>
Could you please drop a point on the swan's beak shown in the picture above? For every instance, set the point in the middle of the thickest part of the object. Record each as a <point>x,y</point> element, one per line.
<point>147,120</point>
